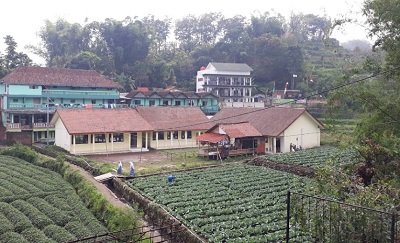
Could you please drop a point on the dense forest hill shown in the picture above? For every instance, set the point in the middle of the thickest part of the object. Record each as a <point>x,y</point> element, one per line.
<point>161,52</point>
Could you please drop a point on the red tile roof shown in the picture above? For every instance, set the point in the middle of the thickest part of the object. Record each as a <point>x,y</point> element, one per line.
<point>58,77</point>
<point>240,130</point>
<point>268,121</point>
<point>211,137</point>
<point>175,118</point>
<point>89,121</point>
<point>144,89</point>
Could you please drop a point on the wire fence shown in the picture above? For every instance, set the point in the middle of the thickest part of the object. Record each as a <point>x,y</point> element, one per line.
<point>317,219</point>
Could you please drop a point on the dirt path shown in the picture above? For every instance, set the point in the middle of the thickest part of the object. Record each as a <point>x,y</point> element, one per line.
<point>103,189</point>
<point>114,200</point>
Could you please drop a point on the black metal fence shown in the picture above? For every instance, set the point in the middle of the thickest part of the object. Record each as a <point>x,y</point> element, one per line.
<point>317,219</point>
<point>137,235</point>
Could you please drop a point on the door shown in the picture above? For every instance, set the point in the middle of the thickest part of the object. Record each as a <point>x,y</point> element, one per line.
<point>134,140</point>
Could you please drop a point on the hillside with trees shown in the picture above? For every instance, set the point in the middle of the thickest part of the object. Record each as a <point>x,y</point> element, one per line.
<point>163,52</point>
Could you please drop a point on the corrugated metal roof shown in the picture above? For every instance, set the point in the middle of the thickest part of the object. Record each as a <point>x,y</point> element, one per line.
<point>231,67</point>
<point>268,121</point>
<point>175,118</point>
<point>211,137</point>
<point>58,77</point>
<point>90,121</point>
<point>240,130</point>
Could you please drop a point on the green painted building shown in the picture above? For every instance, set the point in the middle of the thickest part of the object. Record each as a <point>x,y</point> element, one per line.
<point>207,101</point>
<point>30,95</point>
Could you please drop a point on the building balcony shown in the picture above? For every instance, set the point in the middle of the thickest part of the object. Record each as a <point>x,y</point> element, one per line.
<point>53,107</point>
<point>19,126</point>
<point>223,85</point>
<point>113,94</point>
<point>210,110</point>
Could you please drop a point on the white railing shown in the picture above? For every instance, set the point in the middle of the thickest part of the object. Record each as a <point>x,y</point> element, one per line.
<point>13,125</point>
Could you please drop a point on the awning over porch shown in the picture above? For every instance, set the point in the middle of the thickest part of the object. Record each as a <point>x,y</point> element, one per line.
<point>211,137</point>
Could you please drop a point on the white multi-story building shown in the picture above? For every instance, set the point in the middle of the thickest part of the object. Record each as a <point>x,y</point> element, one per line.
<point>232,82</point>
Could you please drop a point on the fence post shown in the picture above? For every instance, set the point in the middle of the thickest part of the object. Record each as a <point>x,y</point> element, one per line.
<point>288,217</point>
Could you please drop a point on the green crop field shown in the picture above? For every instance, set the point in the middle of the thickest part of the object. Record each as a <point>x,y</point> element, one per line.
<point>315,157</point>
<point>237,203</point>
<point>38,205</point>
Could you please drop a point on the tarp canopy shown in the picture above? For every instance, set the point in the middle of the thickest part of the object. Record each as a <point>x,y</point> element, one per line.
<point>211,137</point>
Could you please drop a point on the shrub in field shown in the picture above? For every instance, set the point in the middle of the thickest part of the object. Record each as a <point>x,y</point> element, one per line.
<point>5,224</point>
<point>59,217</point>
<point>18,219</point>
<point>34,235</point>
<point>39,219</point>
<point>58,233</point>
<point>22,152</point>
<point>59,201</point>
<point>78,229</point>
<point>12,237</point>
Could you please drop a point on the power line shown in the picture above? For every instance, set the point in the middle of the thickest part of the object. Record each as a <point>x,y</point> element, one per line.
<point>318,93</point>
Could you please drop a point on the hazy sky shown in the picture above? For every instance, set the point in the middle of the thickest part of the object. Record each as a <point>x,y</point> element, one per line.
<point>23,19</point>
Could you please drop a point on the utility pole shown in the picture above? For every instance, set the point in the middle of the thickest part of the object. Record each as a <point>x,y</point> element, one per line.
<point>47,123</point>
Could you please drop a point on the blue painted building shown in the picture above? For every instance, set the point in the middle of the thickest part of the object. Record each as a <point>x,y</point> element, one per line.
<point>30,95</point>
<point>207,101</point>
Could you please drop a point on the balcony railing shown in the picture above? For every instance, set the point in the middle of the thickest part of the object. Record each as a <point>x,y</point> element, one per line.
<point>53,107</point>
<point>87,93</point>
<point>19,126</point>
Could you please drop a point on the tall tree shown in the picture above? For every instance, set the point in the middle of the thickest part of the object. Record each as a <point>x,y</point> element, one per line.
<point>12,58</point>
<point>128,41</point>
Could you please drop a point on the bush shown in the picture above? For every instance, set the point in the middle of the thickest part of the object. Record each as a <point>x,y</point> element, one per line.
<point>12,237</point>
<point>21,151</point>
<point>58,234</point>
<point>34,235</point>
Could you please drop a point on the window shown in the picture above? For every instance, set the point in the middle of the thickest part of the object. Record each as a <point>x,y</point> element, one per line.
<point>93,102</point>
<point>152,102</point>
<point>175,134</point>
<point>116,137</point>
<point>204,103</point>
<point>165,102</point>
<point>137,102</point>
<point>191,102</point>
<point>189,134</point>
<point>168,135</point>
<point>72,101</point>
<point>33,87</point>
<point>15,100</point>
<point>199,79</point>
<point>154,136</point>
<point>81,139</point>
<point>99,138</point>
<point>183,134</point>
<point>160,135</point>
<point>36,100</point>
<point>177,102</point>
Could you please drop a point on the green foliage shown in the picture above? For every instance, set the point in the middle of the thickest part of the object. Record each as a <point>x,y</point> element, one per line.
<point>315,157</point>
<point>39,219</point>
<point>58,234</point>
<point>34,235</point>
<point>78,229</point>
<point>115,218</point>
<point>141,49</point>
<point>238,203</point>
<point>12,237</point>
<point>21,151</point>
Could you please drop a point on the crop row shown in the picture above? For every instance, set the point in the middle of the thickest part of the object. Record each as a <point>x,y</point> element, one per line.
<point>38,205</point>
<point>231,202</point>
<point>315,157</point>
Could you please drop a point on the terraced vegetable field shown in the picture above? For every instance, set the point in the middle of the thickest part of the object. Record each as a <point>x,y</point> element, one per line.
<point>38,205</point>
<point>237,203</point>
<point>314,157</point>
